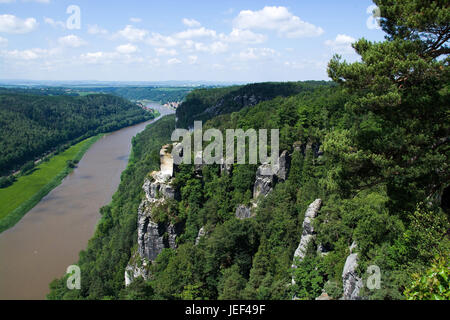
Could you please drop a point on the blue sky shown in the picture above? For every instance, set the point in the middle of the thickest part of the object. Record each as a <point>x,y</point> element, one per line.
<point>137,40</point>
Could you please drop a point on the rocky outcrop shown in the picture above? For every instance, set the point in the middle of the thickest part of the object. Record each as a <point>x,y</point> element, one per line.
<point>263,183</point>
<point>243,212</point>
<point>285,163</point>
<point>266,178</point>
<point>166,160</point>
<point>308,231</point>
<point>352,283</point>
<point>136,268</point>
<point>154,236</point>
<point>201,234</point>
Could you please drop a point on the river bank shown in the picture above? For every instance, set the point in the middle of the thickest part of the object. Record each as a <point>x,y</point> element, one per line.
<point>28,190</point>
<point>49,238</point>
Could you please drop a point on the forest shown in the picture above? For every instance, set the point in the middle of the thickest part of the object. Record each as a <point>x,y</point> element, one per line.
<point>156,94</point>
<point>33,125</point>
<point>373,146</point>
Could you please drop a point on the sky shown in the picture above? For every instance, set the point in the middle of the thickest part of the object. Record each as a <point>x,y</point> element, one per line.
<point>197,40</point>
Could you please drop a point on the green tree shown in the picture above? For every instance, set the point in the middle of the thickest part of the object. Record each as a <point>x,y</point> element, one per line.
<point>434,284</point>
<point>400,98</point>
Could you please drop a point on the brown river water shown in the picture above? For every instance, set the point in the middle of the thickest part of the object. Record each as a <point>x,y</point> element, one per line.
<point>49,238</point>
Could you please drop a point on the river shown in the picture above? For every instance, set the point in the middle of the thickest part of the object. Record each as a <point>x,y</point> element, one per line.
<point>49,237</point>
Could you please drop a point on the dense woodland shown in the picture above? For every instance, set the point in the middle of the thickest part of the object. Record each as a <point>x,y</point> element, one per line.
<point>204,104</point>
<point>32,125</point>
<point>156,94</point>
<point>382,173</point>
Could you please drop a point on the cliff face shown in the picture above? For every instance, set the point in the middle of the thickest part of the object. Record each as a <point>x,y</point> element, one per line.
<point>264,184</point>
<point>153,236</point>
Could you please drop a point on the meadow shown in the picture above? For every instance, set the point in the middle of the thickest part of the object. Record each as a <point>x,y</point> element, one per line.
<point>19,198</point>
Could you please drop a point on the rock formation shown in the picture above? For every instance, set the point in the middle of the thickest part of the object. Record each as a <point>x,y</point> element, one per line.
<point>136,268</point>
<point>263,183</point>
<point>308,234</point>
<point>285,163</point>
<point>201,234</point>
<point>352,283</point>
<point>153,236</point>
<point>308,231</point>
<point>244,212</point>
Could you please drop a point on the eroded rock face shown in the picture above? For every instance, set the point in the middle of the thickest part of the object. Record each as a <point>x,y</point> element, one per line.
<point>266,177</point>
<point>166,160</point>
<point>352,283</point>
<point>243,212</point>
<point>136,268</point>
<point>158,187</point>
<point>201,234</point>
<point>285,163</point>
<point>153,237</point>
<point>308,230</point>
<point>308,234</point>
<point>263,183</point>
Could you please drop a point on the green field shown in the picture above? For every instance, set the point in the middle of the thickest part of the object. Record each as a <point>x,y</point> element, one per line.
<point>19,198</point>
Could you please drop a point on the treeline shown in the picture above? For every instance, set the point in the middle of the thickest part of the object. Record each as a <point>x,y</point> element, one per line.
<point>33,125</point>
<point>156,94</point>
<point>204,104</point>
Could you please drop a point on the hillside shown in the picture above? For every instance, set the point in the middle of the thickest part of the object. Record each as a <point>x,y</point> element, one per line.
<point>204,104</point>
<point>32,125</point>
<point>157,94</point>
<point>212,242</point>
<point>358,209</point>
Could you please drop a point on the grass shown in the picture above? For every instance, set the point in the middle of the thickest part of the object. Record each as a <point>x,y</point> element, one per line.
<point>19,198</point>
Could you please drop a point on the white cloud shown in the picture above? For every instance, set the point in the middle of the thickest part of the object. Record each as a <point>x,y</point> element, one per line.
<point>12,24</point>
<point>342,44</point>
<point>213,48</point>
<point>193,59</point>
<point>173,61</point>
<point>166,52</point>
<point>71,41</point>
<point>136,20</point>
<point>245,36</point>
<point>54,24</point>
<point>196,33</point>
<point>304,64</point>
<point>191,23</point>
<point>95,29</point>
<point>255,54</point>
<point>29,54</point>
<point>127,48</point>
<point>277,19</point>
<point>158,40</point>
<point>133,34</point>
<point>98,57</point>
<point>3,42</point>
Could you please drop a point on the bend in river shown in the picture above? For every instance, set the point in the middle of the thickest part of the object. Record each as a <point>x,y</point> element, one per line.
<point>50,236</point>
